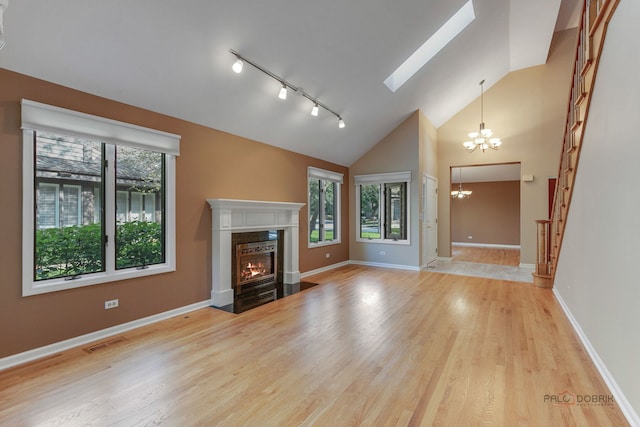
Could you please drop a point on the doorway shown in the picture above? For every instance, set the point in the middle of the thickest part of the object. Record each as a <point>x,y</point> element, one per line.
<point>485,223</point>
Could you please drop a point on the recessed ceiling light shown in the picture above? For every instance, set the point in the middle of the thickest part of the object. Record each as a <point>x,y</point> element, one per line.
<point>432,46</point>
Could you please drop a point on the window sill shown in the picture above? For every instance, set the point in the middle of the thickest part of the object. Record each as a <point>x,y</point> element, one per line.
<point>322,244</point>
<point>385,241</point>
<point>45,286</point>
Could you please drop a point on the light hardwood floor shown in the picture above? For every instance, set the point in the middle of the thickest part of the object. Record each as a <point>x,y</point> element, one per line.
<point>498,256</point>
<point>368,346</point>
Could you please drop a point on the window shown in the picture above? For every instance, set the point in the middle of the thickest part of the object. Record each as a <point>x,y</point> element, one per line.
<point>382,207</point>
<point>98,200</point>
<point>324,206</point>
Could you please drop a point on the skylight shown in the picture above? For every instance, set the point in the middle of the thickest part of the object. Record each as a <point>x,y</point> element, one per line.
<point>432,46</point>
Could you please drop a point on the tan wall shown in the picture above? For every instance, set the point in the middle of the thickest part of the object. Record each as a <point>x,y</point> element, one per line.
<point>527,109</point>
<point>428,140</point>
<point>491,215</point>
<point>209,167</point>
<point>396,152</point>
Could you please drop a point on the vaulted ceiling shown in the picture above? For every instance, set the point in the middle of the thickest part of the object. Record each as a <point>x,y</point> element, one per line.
<point>173,57</point>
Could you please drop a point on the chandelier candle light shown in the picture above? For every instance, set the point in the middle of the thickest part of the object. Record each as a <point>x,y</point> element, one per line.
<point>483,138</point>
<point>285,85</point>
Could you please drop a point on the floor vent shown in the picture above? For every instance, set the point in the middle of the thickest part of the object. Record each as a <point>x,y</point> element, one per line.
<point>105,344</point>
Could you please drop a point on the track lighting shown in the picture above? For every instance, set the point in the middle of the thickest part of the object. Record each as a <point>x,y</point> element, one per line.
<point>237,67</point>
<point>283,92</point>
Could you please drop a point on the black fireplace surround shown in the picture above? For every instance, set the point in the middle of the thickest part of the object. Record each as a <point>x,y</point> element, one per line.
<point>257,266</point>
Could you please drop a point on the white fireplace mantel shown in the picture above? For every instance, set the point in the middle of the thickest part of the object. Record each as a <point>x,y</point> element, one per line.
<point>236,216</point>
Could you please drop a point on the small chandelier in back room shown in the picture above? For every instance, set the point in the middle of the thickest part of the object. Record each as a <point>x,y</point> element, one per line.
<point>483,138</point>
<point>460,193</point>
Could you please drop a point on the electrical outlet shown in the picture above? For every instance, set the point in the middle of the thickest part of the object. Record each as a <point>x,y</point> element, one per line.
<point>469,237</point>
<point>111,304</point>
<point>327,255</point>
<point>383,253</point>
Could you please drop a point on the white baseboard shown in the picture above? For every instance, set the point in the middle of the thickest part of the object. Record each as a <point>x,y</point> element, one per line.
<point>530,266</point>
<point>51,349</point>
<point>384,265</point>
<point>485,245</point>
<point>323,269</point>
<point>445,258</point>
<point>621,400</point>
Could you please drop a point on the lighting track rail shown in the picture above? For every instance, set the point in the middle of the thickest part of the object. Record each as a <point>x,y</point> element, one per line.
<point>237,67</point>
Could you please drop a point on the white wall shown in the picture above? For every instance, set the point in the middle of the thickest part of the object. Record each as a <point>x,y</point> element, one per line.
<point>597,276</point>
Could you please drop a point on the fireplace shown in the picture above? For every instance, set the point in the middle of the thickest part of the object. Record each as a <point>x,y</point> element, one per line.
<point>255,268</point>
<point>255,262</point>
<point>243,217</point>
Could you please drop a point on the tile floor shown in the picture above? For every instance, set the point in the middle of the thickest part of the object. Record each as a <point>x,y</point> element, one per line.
<point>491,271</point>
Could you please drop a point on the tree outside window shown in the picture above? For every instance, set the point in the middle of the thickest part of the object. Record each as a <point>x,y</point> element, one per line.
<point>324,203</point>
<point>382,207</point>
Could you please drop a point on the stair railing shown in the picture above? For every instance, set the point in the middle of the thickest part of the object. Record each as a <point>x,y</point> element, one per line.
<point>596,15</point>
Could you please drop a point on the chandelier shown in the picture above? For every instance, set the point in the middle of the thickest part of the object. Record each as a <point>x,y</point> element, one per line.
<point>460,193</point>
<point>483,138</point>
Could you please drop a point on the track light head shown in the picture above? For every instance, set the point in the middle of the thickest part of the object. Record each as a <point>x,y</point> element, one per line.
<point>283,92</point>
<point>237,66</point>
<point>314,110</point>
<point>340,122</point>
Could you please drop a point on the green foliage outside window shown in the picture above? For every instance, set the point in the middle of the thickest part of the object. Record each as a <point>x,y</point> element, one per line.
<point>68,251</point>
<point>139,243</point>
<point>77,250</point>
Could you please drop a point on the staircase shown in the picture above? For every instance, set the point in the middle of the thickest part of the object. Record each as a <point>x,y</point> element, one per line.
<point>596,15</point>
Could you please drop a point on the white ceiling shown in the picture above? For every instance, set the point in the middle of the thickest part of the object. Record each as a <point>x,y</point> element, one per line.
<point>173,57</point>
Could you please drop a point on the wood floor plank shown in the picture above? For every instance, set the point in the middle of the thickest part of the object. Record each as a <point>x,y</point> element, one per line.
<point>367,346</point>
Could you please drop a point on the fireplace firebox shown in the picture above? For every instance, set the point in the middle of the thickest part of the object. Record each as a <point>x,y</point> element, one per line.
<point>256,266</point>
<point>256,262</point>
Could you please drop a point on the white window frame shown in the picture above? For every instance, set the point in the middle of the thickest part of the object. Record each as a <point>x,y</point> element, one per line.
<point>381,179</point>
<point>327,176</point>
<point>46,118</point>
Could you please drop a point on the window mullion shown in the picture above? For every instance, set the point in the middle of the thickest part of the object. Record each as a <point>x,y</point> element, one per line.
<point>110,208</point>
<point>382,211</point>
<point>321,215</point>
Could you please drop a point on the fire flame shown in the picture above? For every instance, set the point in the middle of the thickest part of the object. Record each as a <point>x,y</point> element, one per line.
<point>251,270</point>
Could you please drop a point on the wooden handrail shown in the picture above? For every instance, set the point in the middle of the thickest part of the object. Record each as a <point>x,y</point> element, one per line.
<point>596,15</point>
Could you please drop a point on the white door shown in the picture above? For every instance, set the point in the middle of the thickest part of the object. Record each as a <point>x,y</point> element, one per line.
<point>430,219</point>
